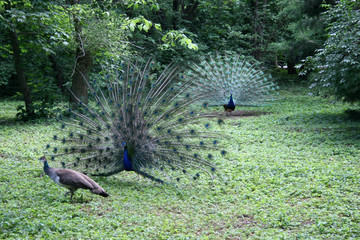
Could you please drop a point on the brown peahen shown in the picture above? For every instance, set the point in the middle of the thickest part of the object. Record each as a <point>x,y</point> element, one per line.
<point>142,121</point>
<point>72,180</point>
<point>233,80</point>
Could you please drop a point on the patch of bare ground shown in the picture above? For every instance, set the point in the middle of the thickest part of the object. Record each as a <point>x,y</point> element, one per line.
<point>239,114</point>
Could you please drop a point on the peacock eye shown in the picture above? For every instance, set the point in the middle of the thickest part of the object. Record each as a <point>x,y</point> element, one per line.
<point>149,115</point>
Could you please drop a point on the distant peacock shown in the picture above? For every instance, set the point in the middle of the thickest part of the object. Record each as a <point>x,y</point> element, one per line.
<point>231,81</point>
<point>144,122</point>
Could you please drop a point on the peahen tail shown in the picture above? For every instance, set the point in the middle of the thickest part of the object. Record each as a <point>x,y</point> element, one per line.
<point>140,121</point>
<point>223,76</point>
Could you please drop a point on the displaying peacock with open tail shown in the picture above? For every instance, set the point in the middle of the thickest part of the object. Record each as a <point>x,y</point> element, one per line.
<point>231,81</point>
<point>152,124</point>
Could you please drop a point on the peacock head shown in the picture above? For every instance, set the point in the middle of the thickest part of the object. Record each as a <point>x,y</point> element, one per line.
<point>231,98</point>
<point>129,148</point>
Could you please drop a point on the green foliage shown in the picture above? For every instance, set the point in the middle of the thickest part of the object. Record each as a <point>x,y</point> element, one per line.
<point>301,31</point>
<point>6,69</point>
<point>238,26</point>
<point>105,31</point>
<point>337,64</point>
<point>173,37</point>
<point>173,31</point>
<point>35,23</point>
<point>44,89</point>
<point>48,34</point>
<point>39,109</point>
<point>39,29</point>
<point>224,25</point>
<point>153,34</point>
<point>136,4</point>
<point>291,174</point>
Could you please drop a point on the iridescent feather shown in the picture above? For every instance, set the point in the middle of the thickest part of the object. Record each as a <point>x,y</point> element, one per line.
<point>141,123</point>
<point>221,76</point>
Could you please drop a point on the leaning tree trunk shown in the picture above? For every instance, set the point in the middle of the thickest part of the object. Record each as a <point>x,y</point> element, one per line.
<point>83,65</point>
<point>79,87</point>
<point>19,67</point>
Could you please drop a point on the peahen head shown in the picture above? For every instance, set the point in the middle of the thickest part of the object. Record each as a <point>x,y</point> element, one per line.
<point>43,160</point>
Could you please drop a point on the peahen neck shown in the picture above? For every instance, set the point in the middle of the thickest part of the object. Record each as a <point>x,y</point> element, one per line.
<point>127,161</point>
<point>46,168</point>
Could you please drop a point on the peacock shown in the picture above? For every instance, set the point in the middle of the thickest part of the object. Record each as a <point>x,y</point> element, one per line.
<point>72,180</point>
<point>142,120</point>
<point>230,106</point>
<point>232,80</point>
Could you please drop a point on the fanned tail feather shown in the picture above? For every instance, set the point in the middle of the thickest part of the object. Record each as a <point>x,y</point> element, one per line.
<point>158,119</point>
<point>220,76</point>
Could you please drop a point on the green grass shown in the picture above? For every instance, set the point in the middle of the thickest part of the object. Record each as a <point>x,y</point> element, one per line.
<point>291,174</point>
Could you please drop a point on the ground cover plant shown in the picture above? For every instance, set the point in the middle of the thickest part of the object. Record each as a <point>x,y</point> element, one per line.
<point>291,173</point>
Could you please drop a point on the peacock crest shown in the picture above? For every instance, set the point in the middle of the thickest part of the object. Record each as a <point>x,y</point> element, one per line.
<point>140,121</point>
<point>233,78</point>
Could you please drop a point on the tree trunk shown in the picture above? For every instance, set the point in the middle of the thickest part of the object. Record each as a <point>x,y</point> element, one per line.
<point>175,14</point>
<point>83,65</point>
<point>291,68</point>
<point>189,12</point>
<point>258,31</point>
<point>19,67</point>
<point>79,87</point>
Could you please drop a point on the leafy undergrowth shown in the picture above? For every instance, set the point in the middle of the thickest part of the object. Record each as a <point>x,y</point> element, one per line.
<point>292,173</point>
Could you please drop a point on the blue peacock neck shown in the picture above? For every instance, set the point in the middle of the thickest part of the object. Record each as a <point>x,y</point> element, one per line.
<point>231,102</point>
<point>127,161</point>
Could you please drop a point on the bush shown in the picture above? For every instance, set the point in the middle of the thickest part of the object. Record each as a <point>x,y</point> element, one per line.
<point>337,64</point>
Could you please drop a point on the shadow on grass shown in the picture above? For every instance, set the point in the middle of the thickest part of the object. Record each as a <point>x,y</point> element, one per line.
<point>8,120</point>
<point>240,114</point>
<point>140,184</point>
<point>338,128</point>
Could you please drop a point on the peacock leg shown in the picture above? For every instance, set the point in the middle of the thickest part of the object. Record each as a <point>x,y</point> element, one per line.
<point>108,173</point>
<point>149,176</point>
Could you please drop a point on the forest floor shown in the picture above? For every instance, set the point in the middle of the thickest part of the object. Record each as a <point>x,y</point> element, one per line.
<point>292,173</point>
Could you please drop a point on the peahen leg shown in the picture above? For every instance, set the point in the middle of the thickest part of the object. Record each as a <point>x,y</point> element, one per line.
<point>71,192</point>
